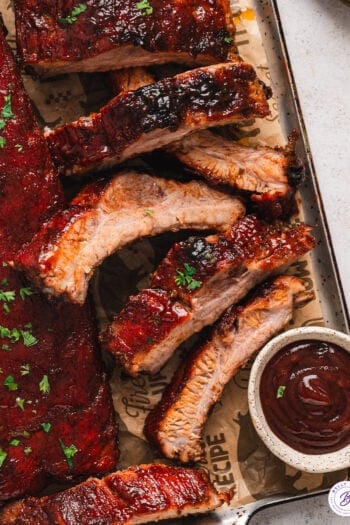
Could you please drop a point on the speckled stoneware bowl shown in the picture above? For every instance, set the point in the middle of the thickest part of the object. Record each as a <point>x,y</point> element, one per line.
<point>308,462</point>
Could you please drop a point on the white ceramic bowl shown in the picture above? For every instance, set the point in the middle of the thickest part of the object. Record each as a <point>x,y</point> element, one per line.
<point>308,462</point>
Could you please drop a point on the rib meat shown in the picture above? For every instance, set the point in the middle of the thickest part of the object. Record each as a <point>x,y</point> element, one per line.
<point>267,175</point>
<point>153,116</point>
<point>53,393</point>
<point>119,34</point>
<point>107,215</point>
<point>176,423</point>
<point>143,494</point>
<point>194,284</point>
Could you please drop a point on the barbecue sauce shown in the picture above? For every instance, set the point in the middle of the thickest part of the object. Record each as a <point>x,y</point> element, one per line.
<point>305,396</point>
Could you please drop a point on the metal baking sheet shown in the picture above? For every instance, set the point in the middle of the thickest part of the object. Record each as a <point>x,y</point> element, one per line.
<point>325,271</point>
<point>326,275</point>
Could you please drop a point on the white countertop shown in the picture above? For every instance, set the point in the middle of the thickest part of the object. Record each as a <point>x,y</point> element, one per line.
<point>317,33</point>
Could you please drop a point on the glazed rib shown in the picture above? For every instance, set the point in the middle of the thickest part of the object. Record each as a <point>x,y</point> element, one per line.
<point>107,215</point>
<point>267,175</point>
<point>176,423</point>
<point>153,116</point>
<point>53,392</point>
<point>194,284</point>
<point>142,494</point>
<point>120,34</point>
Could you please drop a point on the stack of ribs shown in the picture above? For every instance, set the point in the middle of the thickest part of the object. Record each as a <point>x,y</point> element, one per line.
<point>56,415</point>
<point>57,421</point>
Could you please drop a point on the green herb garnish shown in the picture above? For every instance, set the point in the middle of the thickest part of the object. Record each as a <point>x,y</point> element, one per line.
<point>28,338</point>
<point>46,427</point>
<point>73,17</point>
<point>69,453</point>
<point>20,402</point>
<point>44,385</point>
<point>186,279</point>
<point>228,39</point>
<point>2,142</point>
<point>149,212</point>
<point>15,442</point>
<point>280,391</point>
<point>3,456</point>
<point>25,292</point>
<point>6,111</point>
<point>10,383</point>
<point>145,7</point>
<point>25,369</point>
<point>7,296</point>
<point>27,451</point>
<point>6,308</point>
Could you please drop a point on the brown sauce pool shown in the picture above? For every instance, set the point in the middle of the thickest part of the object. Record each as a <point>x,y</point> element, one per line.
<point>305,396</point>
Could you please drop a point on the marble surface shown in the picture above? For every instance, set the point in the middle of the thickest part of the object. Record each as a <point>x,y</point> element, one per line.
<point>317,34</point>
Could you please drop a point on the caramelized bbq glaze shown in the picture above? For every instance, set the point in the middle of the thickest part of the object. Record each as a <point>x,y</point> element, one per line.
<point>223,268</point>
<point>200,28</point>
<point>131,122</point>
<point>142,494</point>
<point>39,339</point>
<point>305,395</point>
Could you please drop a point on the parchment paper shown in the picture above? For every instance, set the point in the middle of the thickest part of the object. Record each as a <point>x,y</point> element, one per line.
<point>234,455</point>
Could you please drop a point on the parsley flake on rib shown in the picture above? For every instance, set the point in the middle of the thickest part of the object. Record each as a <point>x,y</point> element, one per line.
<point>186,279</point>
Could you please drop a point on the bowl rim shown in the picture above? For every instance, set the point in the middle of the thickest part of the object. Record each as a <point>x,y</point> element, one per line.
<point>314,463</point>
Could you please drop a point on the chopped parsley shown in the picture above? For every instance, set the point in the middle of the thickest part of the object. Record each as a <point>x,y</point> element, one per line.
<point>44,385</point>
<point>228,40</point>
<point>7,296</point>
<point>186,278</point>
<point>6,308</point>
<point>3,456</point>
<point>69,453</point>
<point>4,282</point>
<point>25,434</point>
<point>28,338</point>
<point>280,391</point>
<point>2,142</point>
<point>6,111</point>
<point>10,383</point>
<point>145,7</point>
<point>73,17</point>
<point>15,442</point>
<point>25,369</point>
<point>20,402</point>
<point>46,427</point>
<point>25,292</point>
<point>27,451</point>
<point>5,347</point>
<point>149,212</point>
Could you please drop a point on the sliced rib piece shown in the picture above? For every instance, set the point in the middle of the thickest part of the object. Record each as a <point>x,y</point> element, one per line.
<point>142,494</point>
<point>176,423</point>
<point>53,392</point>
<point>194,284</point>
<point>123,33</point>
<point>222,161</point>
<point>107,215</point>
<point>152,116</point>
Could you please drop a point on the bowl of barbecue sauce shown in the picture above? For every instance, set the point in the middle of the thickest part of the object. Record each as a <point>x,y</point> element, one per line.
<point>299,398</point>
